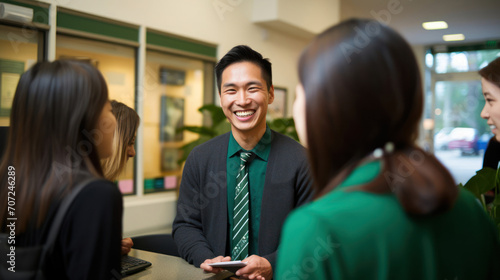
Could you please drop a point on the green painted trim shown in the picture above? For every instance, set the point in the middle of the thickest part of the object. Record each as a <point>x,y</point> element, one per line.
<point>90,25</point>
<point>488,45</point>
<point>40,14</point>
<point>172,42</point>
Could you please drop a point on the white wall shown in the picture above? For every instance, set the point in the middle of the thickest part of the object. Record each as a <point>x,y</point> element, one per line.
<point>315,16</point>
<point>225,23</point>
<point>299,17</point>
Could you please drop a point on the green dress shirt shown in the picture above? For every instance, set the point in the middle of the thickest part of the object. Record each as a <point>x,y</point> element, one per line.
<point>359,235</point>
<point>257,176</point>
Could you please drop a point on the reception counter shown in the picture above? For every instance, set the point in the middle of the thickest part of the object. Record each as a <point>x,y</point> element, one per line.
<point>171,268</point>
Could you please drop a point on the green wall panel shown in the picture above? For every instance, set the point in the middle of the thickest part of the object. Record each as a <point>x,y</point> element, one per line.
<point>85,24</point>
<point>161,40</point>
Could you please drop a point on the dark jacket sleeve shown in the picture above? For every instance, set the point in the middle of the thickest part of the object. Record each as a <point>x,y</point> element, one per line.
<point>90,235</point>
<point>293,154</point>
<point>304,188</point>
<point>187,229</point>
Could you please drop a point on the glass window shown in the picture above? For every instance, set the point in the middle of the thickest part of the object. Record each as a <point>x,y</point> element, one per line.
<point>174,92</point>
<point>465,61</point>
<point>117,64</point>
<point>459,127</point>
<point>454,107</point>
<point>20,49</point>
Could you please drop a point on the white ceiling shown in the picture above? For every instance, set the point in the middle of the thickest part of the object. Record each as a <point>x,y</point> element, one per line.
<point>478,20</point>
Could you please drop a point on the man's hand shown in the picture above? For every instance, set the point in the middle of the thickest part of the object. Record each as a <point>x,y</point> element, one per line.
<point>257,268</point>
<point>208,268</point>
<point>126,245</point>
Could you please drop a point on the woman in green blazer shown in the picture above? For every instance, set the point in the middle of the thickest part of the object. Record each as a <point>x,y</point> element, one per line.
<point>384,208</point>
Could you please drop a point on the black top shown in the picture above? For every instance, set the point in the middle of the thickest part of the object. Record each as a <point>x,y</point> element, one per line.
<point>89,241</point>
<point>492,154</point>
<point>4,132</point>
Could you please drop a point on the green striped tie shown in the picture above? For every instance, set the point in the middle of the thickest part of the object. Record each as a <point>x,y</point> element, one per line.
<point>241,210</point>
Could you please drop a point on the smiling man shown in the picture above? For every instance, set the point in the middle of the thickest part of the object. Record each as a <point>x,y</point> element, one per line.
<point>238,188</point>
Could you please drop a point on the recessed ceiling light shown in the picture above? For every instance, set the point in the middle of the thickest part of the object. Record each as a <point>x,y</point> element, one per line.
<point>433,25</point>
<point>454,37</point>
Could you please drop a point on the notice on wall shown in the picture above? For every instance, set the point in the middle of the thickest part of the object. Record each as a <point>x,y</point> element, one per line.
<point>8,84</point>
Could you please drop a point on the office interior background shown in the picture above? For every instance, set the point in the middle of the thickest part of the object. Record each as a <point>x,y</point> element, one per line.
<point>158,57</point>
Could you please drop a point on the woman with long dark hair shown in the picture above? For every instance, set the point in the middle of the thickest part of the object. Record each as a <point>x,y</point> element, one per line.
<point>61,127</point>
<point>384,208</point>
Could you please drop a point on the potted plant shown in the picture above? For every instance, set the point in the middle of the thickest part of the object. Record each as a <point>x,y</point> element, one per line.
<point>485,181</point>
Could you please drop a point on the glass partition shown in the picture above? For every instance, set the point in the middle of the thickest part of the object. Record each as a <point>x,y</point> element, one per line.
<point>20,49</point>
<point>117,64</point>
<point>174,92</point>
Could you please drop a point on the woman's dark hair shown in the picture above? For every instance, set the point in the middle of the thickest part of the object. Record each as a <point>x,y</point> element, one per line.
<point>53,135</point>
<point>363,90</point>
<point>244,53</point>
<point>491,72</point>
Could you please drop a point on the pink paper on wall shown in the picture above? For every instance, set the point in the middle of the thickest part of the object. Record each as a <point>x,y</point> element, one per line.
<point>126,186</point>
<point>170,182</point>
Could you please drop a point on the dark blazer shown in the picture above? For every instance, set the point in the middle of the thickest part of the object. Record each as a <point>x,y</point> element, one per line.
<point>492,154</point>
<point>200,228</point>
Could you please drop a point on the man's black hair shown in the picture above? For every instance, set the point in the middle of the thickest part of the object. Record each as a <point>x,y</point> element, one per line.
<point>244,53</point>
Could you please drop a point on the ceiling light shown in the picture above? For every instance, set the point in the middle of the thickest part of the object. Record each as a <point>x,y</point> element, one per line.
<point>454,37</point>
<point>433,25</point>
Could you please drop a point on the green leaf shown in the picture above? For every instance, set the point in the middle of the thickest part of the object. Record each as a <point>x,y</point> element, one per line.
<point>186,149</point>
<point>495,214</point>
<point>216,113</point>
<point>222,128</point>
<point>483,181</point>
<point>285,126</point>
<point>496,201</point>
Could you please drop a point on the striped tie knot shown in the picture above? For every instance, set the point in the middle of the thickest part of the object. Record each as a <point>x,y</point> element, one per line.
<point>245,157</point>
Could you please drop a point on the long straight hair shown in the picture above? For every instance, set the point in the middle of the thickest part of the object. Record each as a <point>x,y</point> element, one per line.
<point>127,122</point>
<point>363,90</point>
<point>52,137</point>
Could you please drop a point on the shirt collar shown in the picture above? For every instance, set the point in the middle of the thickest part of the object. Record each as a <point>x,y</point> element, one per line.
<point>262,148</point>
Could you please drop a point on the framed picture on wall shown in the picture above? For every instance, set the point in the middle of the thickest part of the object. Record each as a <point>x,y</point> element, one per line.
<point>169,158</point>
<point>172,77</point>
<point>171,118</point>
<point>277,109</point>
